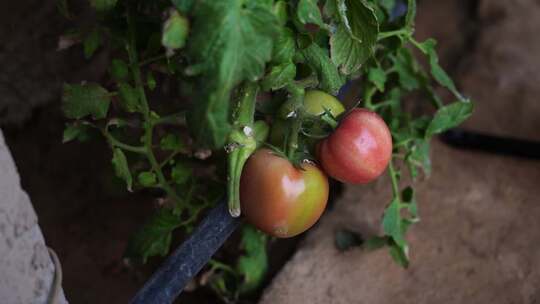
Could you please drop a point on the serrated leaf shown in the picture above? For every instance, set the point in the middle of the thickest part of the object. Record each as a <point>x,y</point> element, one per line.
<point>175,31</point>
<point>346,239</point>
<point>79,101</point>
<point>279,76</point>
<point>393,224</point>
<point>284,47</point>
<point>404,65</point>
<point>449,116</point>
<point>280,10</point>
<point>330,79</point>
<point>121,167</point>
<point>418,156</point>
<point>147,179</point>
<point>400,254</point>
<point>308,12</point>
<point>151,81</point>
<point>75,131</point>
<point>378,77</point>
<point>171,142</point>
<point>180,173</point>
<point>354,40</point>
<point>129,97</point>
<point>119,70</point>
<point>411,13</point>
<point>253,264</point>
<point>91,43</point>
<point>155,236</point>
<point>231,41</point>
<point>103,5</point>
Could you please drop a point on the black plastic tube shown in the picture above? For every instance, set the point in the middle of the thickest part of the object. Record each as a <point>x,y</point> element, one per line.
<point>187,260</point>
<point>493,144</point>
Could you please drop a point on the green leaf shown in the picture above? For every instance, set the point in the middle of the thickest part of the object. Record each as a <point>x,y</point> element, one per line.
<point>180,173</point>
<point>183,5</point>
<point>129,97</point>
<point>400,254</point>
<point>103,5</point>
<point>231,41</point>
<point>253,264</point>
<point>330,79</point>
<point>308,12</point>
<point>91,43</point>
<point>438,73</point>
<point>279,76</point>
<point>121,167</point>
<point>155,236</point>
<point>346,239</point>
<point>378,77</point>
<point>376,242</point>
<point>171,142</point>
<point>449,116</point>
<point>418,156</point>
<point>151,81</point>
<point>280,10</point>
<point>356,35</point>
<point>393,224</point>
<point>76,131</point>
<point>405,66</point>
<point>388,5</point>
<point>284,47</point>
<point>411,14</point>
<point>147,179</point>
<point>79,101</point>
<point>408,197</point>
<point>175,31</point>
<point>119,70</point>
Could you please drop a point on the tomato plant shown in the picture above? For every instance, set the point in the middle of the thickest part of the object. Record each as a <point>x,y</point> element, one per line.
<point>359,150</point>
<point>280,199</point>
<point>181,106</point>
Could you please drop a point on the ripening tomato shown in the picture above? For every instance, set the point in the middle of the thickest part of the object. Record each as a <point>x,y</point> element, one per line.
<point>278,198</point>
<point>359,150</point>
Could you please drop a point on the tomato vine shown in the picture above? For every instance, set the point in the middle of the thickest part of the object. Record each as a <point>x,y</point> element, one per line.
<point>194,86</point>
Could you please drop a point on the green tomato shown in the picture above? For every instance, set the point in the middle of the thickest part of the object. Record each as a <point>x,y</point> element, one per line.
<point>316,102</point>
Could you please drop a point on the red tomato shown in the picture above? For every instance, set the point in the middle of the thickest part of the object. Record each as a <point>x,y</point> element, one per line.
<point>280,199</point>
<point>359,150</point>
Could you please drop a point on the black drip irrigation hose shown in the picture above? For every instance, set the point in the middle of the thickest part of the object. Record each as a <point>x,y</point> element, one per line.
<point>188,259</point>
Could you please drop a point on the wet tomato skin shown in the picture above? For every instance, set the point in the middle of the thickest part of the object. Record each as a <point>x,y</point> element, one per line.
<point>279,199</point>
<point>359,150</point>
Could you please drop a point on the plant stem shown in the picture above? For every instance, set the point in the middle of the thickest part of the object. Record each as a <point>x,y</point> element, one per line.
<point>400,32</point>
<point>116,143</point>
<point>393,177</point>
<point>297,96</point>
<point>149,125</point>
<point>242,142</point>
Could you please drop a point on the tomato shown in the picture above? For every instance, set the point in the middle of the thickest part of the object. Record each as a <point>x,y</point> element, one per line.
<point>315,103</point>
<point>359,150</point>
<point>278,198</point>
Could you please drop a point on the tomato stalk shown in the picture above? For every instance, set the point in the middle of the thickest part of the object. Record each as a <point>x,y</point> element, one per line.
<point>241,144</point>
<point>297,103</point>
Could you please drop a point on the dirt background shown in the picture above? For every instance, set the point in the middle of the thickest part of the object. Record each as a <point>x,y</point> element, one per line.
<point>476,242</point>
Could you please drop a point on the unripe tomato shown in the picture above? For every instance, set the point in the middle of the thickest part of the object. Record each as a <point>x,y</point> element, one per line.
<point>315,103</point>
<point>278,198</point>
<point>359,150</point>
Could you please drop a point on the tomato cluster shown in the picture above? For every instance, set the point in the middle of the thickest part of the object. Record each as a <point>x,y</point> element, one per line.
<point>283,200</point>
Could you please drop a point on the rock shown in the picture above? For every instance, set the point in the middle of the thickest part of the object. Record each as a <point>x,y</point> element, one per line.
<point>27,271</point>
